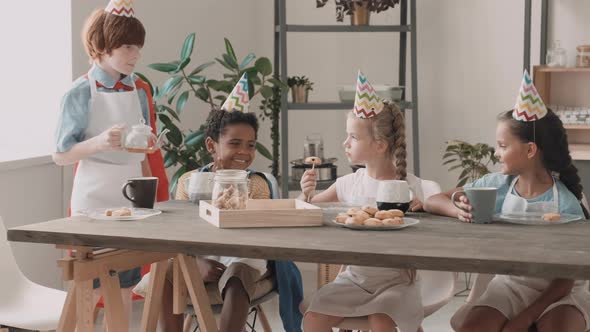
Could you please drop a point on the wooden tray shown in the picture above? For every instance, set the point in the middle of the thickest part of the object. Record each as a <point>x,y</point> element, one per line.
<point>264,213</point>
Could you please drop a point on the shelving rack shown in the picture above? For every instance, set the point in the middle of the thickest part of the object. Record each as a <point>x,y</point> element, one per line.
<point>280,65</point>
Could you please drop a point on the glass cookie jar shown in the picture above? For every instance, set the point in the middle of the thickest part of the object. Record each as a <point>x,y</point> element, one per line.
<point>230,190</point>
<point>583,56</point>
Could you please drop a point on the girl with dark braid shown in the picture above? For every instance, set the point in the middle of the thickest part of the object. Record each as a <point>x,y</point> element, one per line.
<point>537,176</point>
<point>389,297</point>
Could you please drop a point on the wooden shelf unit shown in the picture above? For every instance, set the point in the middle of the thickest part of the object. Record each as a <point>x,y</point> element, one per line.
<point>578,135</point>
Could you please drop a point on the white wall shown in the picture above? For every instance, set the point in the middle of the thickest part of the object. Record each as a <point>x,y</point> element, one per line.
<point>31,192</point>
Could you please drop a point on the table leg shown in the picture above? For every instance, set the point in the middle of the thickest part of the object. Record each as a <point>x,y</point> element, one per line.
<point>116,316</point>
<point>67,320</point>
<point>179,289</point>
<point>198,293</point>
<point>84,306</point>
<point>153,300</point>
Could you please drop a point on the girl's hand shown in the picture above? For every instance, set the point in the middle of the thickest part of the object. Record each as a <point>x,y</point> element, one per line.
<point>308,184</point>
<point>211,270</point>
<point>416,205</point>
<point>464,209</point>
<point>110,139</point>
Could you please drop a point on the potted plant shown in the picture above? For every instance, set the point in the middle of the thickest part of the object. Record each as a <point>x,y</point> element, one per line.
<point>186,150</point>
<point>473,160</point>
<point>359,10</point>
<point>300,87</point>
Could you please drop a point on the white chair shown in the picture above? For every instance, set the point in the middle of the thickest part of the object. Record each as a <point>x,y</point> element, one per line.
<point>25,304</point>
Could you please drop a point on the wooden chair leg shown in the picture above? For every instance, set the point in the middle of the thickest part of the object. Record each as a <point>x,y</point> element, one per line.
<point>153,300</point>
<point>263,320</point>
<point>188,323</point>
<point>198,293</point>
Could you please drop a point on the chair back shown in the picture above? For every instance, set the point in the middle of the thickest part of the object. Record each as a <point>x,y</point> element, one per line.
<point>430,188</point>
<point>12,277</point>
<point>275,190</point>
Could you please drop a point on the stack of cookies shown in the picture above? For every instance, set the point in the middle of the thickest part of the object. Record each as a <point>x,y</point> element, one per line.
<point>370,216</point>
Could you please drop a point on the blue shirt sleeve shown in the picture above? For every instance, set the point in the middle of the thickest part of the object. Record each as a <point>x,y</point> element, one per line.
<point>145,107</point>
<point>73,119</point>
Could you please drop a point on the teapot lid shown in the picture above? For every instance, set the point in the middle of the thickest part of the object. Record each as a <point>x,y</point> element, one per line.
<point>141,126</point>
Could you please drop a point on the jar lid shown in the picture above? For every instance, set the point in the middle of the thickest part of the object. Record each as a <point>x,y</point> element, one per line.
<point>231,175</point>
<point>583,48</point>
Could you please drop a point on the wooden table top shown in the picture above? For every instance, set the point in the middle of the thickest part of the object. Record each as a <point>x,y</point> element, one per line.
<point>436,243</point>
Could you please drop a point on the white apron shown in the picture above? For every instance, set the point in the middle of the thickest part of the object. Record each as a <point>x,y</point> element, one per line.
<point>99,178</point>
<point>512,294</point>
<point>360,291</point>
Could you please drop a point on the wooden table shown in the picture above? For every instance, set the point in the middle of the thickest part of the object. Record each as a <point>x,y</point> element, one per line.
<point>437,243</point>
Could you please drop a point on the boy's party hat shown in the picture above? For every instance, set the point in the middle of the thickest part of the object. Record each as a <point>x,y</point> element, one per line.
<point>366,102</point>
<point>238,99</point>
<point>120,8</point>
<point>529,105</point>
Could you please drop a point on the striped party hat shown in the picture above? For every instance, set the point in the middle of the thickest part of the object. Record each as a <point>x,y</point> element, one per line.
<point>529,105</point>
<point>238,99</point>
<point>120,8</point>
<point>366,102</point>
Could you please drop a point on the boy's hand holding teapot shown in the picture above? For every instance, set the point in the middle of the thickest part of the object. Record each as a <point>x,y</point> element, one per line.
<point>110,139</point>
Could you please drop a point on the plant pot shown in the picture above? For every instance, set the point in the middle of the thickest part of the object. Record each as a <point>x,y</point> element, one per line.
<point>299,94</point>
<point>360,15</point>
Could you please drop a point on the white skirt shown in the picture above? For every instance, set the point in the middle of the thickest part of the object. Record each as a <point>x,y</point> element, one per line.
<point>510,295</point>
<point>361,291</point>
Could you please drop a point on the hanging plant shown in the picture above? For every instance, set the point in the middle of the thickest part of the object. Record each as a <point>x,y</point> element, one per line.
<point>346,7</point>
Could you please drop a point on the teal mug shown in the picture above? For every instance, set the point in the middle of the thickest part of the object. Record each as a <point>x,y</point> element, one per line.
<point>482,201</point>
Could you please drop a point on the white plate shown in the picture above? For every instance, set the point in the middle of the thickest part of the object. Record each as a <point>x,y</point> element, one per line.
<point>407,222</point>
<point>136,214</point>
<point>534,218</point>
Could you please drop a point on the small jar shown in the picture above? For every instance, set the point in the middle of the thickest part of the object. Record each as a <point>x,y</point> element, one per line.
<point>556,56</point>
<point>583,56</point>
<point>230,190</point>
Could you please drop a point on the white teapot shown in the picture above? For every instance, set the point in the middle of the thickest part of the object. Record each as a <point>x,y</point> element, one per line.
<point>140,139</point>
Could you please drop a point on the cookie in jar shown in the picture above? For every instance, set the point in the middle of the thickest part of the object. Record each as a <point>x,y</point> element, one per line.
<point>230,190</point>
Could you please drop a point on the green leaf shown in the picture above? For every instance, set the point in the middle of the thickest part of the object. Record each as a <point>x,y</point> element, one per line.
<point>173,93</point>
<point>174,136</point>
<point>464,173</point>
<point>170,111</point>
<point>195,138</point>
<point>449,161</point>
<point>279,83</point>
<point>230,51</point>
<point>203,94</point>
<point>196,79</point>
<point>187,47</point>
<point>183,64</point>
<point>221,98</point>
<point>224,86</point>
<point>462,182</point>
<point>266,91</point>
<point>448,154</point>
<point>263,151</point>
<point>169,85</point>
<point>200,68</point>
<point>455,167</point>
<point>164,67</point>
<point>170,159</point>
<point>181,102</point>
<point>230,61</point>
<point>145,79</point>
<point>247,60</point>
<point>264,66</point>
<point>225,64</point>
